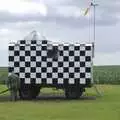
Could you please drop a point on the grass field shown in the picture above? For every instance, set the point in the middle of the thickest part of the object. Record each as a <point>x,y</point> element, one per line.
<point>101,108</point>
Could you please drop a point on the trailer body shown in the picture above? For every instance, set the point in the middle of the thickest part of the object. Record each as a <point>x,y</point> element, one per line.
<point>47,64</point>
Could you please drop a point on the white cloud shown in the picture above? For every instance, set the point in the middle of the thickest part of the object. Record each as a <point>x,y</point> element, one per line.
<point>23,7</point>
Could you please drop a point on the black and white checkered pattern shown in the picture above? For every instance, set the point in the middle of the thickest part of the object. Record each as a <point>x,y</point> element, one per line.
<point>32,62</point>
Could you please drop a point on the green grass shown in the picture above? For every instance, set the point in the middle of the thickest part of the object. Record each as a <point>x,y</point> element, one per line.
<point>101,108</point>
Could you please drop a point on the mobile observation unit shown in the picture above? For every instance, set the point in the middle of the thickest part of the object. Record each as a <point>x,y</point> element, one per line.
<point>43,63</point>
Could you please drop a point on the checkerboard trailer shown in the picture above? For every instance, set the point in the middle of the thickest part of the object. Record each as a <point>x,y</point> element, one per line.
<point>42,63</point>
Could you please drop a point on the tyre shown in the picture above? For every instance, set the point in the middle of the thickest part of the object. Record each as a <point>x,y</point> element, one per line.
<point>73,92</point>
<point>28,92</point>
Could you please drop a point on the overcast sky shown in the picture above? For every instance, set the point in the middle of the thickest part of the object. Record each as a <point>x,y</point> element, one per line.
<point>63,20</point>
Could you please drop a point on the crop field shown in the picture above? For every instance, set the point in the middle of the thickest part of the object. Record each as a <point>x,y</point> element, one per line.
<point>55,107</point>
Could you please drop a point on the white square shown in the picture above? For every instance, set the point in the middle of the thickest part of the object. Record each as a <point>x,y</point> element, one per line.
<point>43,64</point>
<point>33,53</point>
<point>38,58</point>
<point>49,59</point>
<point>66,53</point>
<point>39,42</point>
<point>43,75</point>
<point>88,53</point>
<point>27,48</point>
<point>77,64</point>
<point>82,80</point>
<point>82,47</point>
<point>17,48</point>
<point>33,75</point>
<point>33,64</point>
<point>55,64</point>
<point>16,70</point>
<point>60,47</point>
<point>27,81</point>
<point>71,81</point>
<point>38,48</point>
<point>71,47</point>
<point>43,53</point>
<point>49,80</point>
<point>54,75</point>
<point>82,58</point>
<point>28,41</point>
<point>49,69</point>
<point>60,70</point>
<point>11,64</point>
<point>60,58</point>
<point>27,70</point>
<point>77,75</point>
<point>60,81</point>
<point>22,53</point>
<point>38,81</point>
<point>38,69</point>
<point>88,64</point>
<point>27,58</point>
<point>82,69</point>
<point>88,75</point>
<point>16,58</point>
<point>77,53</point>
<point>22,64</point>
<point>22,75</point>
<point>66,64</point>
<point>65,75</point>
<point>71,69</point>
<point>11,53</point>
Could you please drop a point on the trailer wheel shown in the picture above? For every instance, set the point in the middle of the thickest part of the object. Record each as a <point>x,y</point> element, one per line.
<point>28,92</point>
<point>73,92</point>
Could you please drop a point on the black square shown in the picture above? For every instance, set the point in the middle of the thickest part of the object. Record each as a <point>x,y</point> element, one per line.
<point>44,69</point>
<point>38,64</point>
<point>22,47</point>
<point>11,48</point>
<point>55,81</point>
<point>38,53</point>
<point>44,41</point>
<point>16,53</point>
<point>71,53</point>
<point>71,64</point>
<point>11,69</point>
<point>33,69</point>
<point>87,58</point>
<point>44,81</point>
<point>33,81</point>
<point>82,64</point>
<point>77,47</point>
<point>49,64</point>
<point>61,53</point>
<point>82,53</point>
<point>87,47</point>
<point>77,58</point>
<point>33,58</point>
<point>22,69</point>
<point>82,75</point>
<point>77,69</point>
<point>33,42</point>
<point>27,64</point>
<point>87,69</point>
<point>38,75</point>
<point>22,58</point>
<point>60,64</point>
<point>11,58</point>
<point>33,47</point>
<point>49,75</point>
<point>66,69</point>
<point>16,64</point>
<point>60,75</point>
<point>44,58</point>
<point>66,58</point>
<point>71,75</point>
<point>44,47</point>
<point>54,69</point>
<point>27,75</point>
<point>27,53</point>
<point>66,47</point>
<point>22,42</point>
